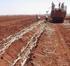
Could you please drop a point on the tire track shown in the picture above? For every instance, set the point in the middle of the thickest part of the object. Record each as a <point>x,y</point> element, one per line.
<point>62,40</point>
<point>51,50</point>
<point>64,51</point>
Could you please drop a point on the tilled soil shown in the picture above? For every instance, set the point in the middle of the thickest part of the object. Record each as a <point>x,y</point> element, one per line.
<point>52,47</point>
<point>12,24</point>
<point>13,51</point>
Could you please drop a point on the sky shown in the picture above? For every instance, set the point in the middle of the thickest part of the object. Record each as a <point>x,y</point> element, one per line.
<point>15,7</point>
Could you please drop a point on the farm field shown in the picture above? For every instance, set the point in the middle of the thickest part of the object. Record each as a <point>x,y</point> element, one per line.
<point>24,41</point>
<point>53,47</point>
<point>12,24</point>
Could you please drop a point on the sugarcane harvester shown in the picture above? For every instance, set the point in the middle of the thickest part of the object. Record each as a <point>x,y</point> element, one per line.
<point>57,15</point>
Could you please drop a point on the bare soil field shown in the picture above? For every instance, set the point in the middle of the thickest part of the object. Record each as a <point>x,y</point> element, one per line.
<point>34,43</point>
<point>12,54</point>
<point>53,47</point>
<point>12,24</point>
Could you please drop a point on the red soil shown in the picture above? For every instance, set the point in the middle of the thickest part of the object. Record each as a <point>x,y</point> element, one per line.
<point>12,24</point>
<point>53,48</point>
